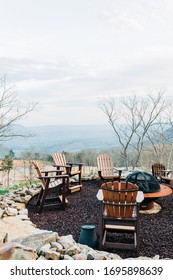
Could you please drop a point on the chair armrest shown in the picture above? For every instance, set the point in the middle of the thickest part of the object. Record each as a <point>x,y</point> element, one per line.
<point>140,197</point>
<point>99,195</point>
<point>50,171</point>
<point>67,167</point>
<point>164,172</point>
<point>119,171</point>
<point>53,177</point>
<point>58,165</point>
<point>75,163</point>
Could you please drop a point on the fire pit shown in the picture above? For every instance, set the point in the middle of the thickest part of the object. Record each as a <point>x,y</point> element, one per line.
<point>145,181</point>
<point>149,198</point>
<point>150,186</point>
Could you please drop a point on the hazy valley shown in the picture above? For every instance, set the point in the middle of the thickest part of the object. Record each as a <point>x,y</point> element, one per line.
<point>48,139</point>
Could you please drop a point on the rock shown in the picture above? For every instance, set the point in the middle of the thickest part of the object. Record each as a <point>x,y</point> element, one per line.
<point>66,241</point>
<point>9,201</point>
<point>18,206</point>
<point>15,251</point>
<point>11,195</point>
<point>90,257</point>
<point>52,255</point>
<point>41,258</point>
<point>44,249</point>
<point>80,257</point>
<point>58,246</point>
<point>19,199</point>
<point>99,255</point>
<point>139,258</point>
<point>11,211</point>
<point>23,212</point>
<point>67,258</point>
<point>23,217</point>
<point>3,237</point>
<point>22,191</point>
<point>73,250</point>
<point>39,239</point>
<point>27,198</point>
<point>3,205</point>
<point>28,222</point>
<point>114,256</point>
<point>86,249</point>
<point>16,228</point>
<point>1,212</point>
<point>33,191</point>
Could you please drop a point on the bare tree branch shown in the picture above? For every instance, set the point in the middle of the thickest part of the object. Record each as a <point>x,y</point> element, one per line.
<point>12,110</point>
<point>138,116</point>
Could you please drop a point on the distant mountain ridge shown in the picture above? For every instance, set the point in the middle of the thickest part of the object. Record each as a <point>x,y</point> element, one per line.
<point>48,139</point>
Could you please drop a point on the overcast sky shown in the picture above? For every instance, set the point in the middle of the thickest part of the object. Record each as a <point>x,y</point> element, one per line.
<point>68,53</point>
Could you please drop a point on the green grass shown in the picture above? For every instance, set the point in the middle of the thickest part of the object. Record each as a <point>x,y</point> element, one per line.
<point>15,187</point>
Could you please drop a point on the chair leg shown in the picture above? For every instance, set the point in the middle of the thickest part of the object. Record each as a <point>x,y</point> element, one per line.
<point>137,244</point>
<point>137,233</point>
<point>43,197</point>
<point>68,185</point>
<point>63,192</point>
<point>101,229</point>
<point>40,195</point>
<point>80,178</point>
<point>100,239</point>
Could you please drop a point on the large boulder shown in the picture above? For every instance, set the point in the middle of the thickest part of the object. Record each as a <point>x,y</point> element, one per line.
<point>38,240</point>
<point>15,251</point>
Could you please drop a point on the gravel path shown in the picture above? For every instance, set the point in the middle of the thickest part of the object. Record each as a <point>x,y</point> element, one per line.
<point>156,230</point>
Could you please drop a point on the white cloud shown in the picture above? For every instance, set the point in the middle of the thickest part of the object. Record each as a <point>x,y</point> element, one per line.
<point>66,54</point>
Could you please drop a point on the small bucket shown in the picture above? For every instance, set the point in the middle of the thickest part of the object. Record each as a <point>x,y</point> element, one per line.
<point>88,236</point>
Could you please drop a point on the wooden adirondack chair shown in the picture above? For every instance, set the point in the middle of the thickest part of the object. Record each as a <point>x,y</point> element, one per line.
<point>119,214</point>
<point>51,184</point>
<point>69,169</point>
<point>160,173</point>
<point>106,170</point>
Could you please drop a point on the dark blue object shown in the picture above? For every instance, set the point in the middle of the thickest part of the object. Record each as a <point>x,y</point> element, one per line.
<point>88,236</point>
<point>145,181</point>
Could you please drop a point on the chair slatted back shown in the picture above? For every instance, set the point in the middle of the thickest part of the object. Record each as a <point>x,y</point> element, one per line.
<point>119,199</point>
<point>59,159</point>
<point>39,173</point>
<point>105,164</point>
<point>157,168</point>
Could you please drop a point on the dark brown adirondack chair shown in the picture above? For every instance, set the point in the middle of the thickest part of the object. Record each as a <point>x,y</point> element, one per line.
<point>53,188</point>
<point>69,169</point>
<point>119,214</point>
<point>105,167</point>
<point>160,173</point>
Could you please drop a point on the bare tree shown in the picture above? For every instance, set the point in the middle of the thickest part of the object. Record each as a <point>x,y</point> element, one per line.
<point>132,121</point>
<point>28,169</point>
<point>7,165</point>
<point>11,110</point>
<point>159,141</point>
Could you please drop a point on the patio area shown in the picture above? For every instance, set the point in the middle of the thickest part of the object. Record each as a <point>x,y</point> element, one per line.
<point>156,230</point>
